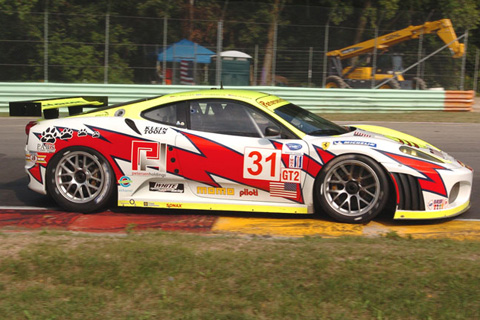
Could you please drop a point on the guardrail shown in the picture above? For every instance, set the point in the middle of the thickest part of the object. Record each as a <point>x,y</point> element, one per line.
<point>314,99</point>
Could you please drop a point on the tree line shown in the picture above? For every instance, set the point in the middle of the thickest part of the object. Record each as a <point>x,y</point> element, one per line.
<point>77,31</point>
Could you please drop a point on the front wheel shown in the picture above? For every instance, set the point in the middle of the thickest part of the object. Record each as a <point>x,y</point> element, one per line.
<point>80,179</point>
<point>352,188</point>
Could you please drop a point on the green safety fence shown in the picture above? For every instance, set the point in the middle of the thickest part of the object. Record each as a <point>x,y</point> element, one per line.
<point>314,99</point>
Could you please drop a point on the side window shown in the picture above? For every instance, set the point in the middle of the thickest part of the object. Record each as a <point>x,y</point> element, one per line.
<point>224,117</point>
<point>173,114</point>
<point>233,118</point>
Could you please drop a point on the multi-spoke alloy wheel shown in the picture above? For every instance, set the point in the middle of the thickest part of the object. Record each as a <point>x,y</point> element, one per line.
<point>80,179</point>
<point>352,188</point>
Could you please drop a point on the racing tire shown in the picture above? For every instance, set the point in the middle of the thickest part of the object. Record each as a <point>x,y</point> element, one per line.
<point>352,189</point>
<point>80,179</point>
<point>420,83</point>
<point>335,82</point>
<point>392,84</point>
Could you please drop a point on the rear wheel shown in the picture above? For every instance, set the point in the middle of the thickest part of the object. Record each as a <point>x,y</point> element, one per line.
<point>335,82</point>
<point>352,188</point>
<point>80,179</point>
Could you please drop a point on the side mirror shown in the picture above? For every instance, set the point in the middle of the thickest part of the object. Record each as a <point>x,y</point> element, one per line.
<point>272,131</point>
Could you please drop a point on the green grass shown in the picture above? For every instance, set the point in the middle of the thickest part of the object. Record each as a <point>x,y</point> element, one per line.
<point>179,276</point>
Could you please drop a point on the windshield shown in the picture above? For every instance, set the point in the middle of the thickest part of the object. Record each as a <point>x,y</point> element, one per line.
<point>309,122</point>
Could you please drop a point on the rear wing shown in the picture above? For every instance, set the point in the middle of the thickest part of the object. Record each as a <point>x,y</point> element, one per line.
<point>49,107</point>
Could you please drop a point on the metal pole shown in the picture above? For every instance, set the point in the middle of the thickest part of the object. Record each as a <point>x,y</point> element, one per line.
<point>255,66</point>
<point>274,53</point>
<point>218,74</point>
<point>374,62</point>
<point>310,64</point>
<point>325,62</point>
<point>194,63</point>
<point>419,57</point>
<point>107,40</point>
<point>164,62</point>
<point>45,45</point>
<point>475,74</point>
<point>464,62</point>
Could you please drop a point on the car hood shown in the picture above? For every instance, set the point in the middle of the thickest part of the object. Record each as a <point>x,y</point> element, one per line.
<point>395,135</point>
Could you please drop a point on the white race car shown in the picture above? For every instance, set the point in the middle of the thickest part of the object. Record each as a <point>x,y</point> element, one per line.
<point>237,150</point>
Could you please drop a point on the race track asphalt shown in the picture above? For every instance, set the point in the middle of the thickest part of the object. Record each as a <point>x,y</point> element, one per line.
<point>24,209</point>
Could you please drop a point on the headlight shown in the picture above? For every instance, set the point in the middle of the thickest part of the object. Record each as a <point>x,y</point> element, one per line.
<point>419,154</point>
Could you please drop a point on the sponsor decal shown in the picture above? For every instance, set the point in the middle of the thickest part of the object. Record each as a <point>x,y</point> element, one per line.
<point>166,187</point>
<point>295,161</point>
<point>46,147</point>
<point>216,191</point>
<point>290,175</point>
<point>294,146</point>
<point>437,204</point>
<point>283,189</point>
<point>248,192</point>
<point>270,103</point>
<point>150,204</point>
<point>355,143</point>
<point>325,145</point>
<point>41,159</point>
<point>155,130</point>
<point>149,158</point>
<point>31,157</point>
<point>37,158</point>
<point>125,181</point>
<point>174,205</point>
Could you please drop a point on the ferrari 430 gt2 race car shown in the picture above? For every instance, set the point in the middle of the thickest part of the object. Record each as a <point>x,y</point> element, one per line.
<point>237,150</point>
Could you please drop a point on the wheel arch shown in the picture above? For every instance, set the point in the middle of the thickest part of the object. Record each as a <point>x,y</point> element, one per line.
<point>391,204</point>
<point>59,154</point>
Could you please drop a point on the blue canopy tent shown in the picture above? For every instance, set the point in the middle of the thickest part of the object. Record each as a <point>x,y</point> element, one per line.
<point>186,50</point>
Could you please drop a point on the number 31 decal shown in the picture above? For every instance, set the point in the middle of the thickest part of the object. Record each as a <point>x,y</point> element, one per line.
<point>262,164</point>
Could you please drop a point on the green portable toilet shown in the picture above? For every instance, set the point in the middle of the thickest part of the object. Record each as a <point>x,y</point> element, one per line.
<point>235,68</point>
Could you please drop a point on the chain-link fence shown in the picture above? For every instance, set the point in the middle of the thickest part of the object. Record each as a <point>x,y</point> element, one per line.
<point>107,47</point>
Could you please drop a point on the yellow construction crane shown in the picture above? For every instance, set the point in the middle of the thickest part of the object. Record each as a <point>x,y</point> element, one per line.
<point>361,76</point>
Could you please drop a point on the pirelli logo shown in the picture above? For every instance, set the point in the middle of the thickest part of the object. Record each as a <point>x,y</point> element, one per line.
<point>216,191</point>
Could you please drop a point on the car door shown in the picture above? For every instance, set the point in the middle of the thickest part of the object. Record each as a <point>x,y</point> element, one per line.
<point>233,151</point>
<point>146,173</point>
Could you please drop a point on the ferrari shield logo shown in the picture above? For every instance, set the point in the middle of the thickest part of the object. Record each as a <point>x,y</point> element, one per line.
<point>325,145</point>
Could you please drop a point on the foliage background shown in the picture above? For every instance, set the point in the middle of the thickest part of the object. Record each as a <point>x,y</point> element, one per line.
<point>77,30</point>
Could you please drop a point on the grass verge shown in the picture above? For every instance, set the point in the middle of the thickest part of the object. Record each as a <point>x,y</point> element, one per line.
<point>180,276</point>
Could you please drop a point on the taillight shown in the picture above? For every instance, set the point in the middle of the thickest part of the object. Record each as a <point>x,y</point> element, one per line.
<point>29,126</point>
